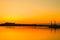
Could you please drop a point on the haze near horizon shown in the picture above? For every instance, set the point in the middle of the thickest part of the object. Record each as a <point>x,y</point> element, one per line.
<point>29,11</point>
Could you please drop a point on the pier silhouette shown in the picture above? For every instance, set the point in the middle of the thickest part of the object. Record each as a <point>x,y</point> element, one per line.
<point>14,24</point>
<point>55,26</point>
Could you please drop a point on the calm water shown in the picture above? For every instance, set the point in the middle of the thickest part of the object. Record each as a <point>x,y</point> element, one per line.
<point>28,33</point>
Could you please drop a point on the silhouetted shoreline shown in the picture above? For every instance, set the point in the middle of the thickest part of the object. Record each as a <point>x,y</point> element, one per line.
<point>35,25</point>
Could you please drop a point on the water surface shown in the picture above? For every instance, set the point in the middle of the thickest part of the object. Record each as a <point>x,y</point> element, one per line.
<point>28,33</point>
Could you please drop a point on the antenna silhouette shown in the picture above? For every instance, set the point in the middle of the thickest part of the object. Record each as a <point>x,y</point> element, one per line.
<point>55,22</point>
<point>51,23</point>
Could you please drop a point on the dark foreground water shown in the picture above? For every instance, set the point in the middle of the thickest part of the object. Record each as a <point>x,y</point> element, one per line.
<point>28,33</point>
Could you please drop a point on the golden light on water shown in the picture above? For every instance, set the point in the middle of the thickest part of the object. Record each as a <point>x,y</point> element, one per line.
<point>29,11</point>
<point>26,33</point>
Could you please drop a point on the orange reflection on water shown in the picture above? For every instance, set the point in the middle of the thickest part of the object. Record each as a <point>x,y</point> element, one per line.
<point>25,33</point>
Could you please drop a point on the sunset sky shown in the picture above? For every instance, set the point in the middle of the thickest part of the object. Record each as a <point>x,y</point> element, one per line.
<point>29,11</point>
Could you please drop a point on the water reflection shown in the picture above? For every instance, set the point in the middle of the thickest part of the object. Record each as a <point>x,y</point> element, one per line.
<point>28,33</point>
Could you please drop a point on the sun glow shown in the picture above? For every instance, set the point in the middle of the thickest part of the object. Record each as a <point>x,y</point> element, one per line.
<point>31,11</point>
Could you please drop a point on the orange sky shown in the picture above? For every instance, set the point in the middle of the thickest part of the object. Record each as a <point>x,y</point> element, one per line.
<point>29,11</point>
